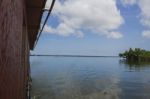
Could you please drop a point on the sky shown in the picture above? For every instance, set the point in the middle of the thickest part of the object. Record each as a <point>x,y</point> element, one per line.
<point>95,27</point>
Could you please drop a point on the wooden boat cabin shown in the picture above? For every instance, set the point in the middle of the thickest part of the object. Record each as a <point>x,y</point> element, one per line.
<point>19,27</point>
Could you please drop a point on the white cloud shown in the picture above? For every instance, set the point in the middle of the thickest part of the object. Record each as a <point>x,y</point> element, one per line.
<point>144,5</point>
<point>145,12</point>
<point>97,16</point>
<point>146,33</point>
<point>145,16</point>
<point>48,29</point>
<point>115,35</point>
<point>62,30</point>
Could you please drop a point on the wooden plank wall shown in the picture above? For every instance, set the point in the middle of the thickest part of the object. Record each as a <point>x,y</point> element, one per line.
<point>14,50</point>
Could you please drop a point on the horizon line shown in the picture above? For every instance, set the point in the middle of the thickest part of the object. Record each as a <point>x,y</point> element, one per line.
<point>73,55</point>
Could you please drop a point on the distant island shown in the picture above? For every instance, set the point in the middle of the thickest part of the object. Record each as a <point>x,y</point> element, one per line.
<point>136,54</point>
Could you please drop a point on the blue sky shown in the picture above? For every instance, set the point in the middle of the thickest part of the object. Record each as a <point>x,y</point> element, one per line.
<point>95,27</point>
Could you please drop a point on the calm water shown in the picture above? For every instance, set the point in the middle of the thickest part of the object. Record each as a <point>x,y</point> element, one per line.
<point>89,78</point>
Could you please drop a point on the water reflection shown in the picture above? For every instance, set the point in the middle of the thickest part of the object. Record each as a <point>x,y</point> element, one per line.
<point>66,87</point>
<point>134,65</point>
<point>89,78</point>
<point>74,78</point>
<point>135,80</point>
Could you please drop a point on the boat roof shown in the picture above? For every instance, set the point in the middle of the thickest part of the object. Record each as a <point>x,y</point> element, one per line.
<point>34,11</point>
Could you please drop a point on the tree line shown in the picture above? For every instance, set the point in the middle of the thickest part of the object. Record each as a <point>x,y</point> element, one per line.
<point>136,54</point>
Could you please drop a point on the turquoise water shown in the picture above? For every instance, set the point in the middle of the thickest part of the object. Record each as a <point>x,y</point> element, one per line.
<point>89,78</point>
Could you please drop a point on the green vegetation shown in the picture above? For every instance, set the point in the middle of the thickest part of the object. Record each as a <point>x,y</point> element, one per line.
<point>136,54</point>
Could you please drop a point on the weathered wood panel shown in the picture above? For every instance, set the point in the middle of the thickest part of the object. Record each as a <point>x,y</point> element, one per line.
<point>13,50</point>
